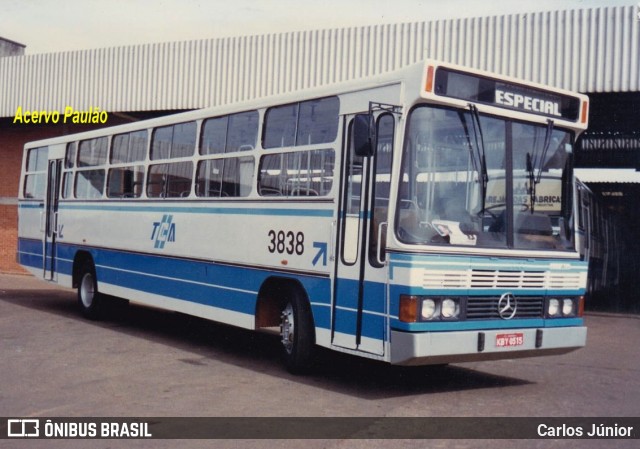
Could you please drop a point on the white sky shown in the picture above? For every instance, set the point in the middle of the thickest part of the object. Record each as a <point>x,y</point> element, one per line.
<point>51,26</point>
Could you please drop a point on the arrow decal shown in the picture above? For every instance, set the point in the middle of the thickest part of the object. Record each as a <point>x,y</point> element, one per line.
<point>322,252</point>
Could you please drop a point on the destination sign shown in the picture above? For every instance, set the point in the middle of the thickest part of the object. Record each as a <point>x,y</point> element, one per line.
<point>482,89</point>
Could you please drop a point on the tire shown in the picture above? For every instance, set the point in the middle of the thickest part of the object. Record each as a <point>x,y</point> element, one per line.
<point>89,299</point>
<point>297,335</point>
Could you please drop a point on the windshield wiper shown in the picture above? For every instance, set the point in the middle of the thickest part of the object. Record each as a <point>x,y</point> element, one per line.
<point>533,164</point>
<point>479,138</point>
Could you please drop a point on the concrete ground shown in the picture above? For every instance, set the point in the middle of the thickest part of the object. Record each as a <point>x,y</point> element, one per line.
<point>146,362</point>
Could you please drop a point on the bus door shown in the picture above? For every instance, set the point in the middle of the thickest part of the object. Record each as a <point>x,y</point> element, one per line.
<point>52,197</point>
<point>360,306</point>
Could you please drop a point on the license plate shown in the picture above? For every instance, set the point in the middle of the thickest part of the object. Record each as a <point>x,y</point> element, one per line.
<point>509,340</point>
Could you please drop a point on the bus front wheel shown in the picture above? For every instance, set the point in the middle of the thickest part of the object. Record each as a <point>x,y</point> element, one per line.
<point>296,332</point>
<point>89,299</point>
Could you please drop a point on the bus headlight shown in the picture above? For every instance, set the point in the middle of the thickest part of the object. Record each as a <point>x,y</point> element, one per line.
<point>568,307</point>
<point>564,307</point>
<point>450,308</point>
<point>428,309</point>
<point>415,309</point>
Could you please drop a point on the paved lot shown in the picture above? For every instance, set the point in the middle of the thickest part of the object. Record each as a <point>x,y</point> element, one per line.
<point>146,362</point>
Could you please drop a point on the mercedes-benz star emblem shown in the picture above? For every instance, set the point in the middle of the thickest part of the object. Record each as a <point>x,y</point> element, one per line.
<point>507,306</point>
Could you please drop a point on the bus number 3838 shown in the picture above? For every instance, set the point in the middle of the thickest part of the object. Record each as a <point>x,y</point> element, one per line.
<point>286,242</point>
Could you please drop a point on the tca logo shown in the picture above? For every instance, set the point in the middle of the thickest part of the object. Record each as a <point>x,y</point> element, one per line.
<point>163,231</point>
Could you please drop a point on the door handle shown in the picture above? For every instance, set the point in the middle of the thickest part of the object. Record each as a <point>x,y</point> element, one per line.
<point>54,227</point>
<point>332,241</point>
<point>379,246</point>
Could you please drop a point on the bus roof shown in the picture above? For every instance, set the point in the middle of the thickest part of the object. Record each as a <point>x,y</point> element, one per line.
<point>417,72</point>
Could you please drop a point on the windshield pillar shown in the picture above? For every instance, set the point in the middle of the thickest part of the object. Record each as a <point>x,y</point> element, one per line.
<point>509,194</point>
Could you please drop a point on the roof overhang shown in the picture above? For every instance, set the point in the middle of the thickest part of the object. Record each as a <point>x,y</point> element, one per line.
<point>608,175</point>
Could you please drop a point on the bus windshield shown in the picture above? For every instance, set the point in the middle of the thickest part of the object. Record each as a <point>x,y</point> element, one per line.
<point>470,179</point>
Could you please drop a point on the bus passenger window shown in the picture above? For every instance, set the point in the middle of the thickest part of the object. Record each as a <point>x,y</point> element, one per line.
<point>228,134</point>
<point>70,155</point>
<point>280,126</point>
<point>318,121</point>
<point>173,141</point>
<point>92,152</point>
<point>214,135</point>
<point>129,147</point>
<point>89,184</point>
<point>67,184</point>
<point>305,123</point>
<point>170,180</point>
<point>161,143</point>
<point>35,179</point>
<point>125,182</point>
<point>242,132</point>
<point>34,186</point>
<point>302,173</point>
<point>230,177</point>
<point>184,140</point>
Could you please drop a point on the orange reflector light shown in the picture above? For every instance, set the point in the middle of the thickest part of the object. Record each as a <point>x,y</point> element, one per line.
<point>581,306</point>
<point>585,112</point>
<point>428,86</point>
<point>408,309</point>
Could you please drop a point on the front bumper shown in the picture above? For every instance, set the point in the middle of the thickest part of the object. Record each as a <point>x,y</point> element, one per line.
<point>429,348</point>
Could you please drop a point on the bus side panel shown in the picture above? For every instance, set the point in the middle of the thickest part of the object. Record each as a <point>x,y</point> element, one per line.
<point>30,255</point>
<point>30,216</point>
<point>373,313</point>
<point>220,292</point>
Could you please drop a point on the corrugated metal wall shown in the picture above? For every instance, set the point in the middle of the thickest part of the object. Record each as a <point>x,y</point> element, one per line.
<point>590,50</point>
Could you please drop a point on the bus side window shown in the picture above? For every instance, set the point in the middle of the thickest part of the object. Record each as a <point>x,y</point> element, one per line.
<point>170,180</point>
<point>173,141</point>
<point>229,133</point>
<point>301,173</point>
<point>228,177</point>
<point>280,126</point>
<point>125,182</point>
<point>305,123</point>
<point>128,147</point>
<point>35,179</point>
<point>318,121</point>
<point>93,152</point>
<point>89,184</point>
<point>68,174</point>
<point>242,132</point>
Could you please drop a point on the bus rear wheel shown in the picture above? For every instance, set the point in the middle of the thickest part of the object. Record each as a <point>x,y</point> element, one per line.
<point>296,333</point>
<point>89,299</point>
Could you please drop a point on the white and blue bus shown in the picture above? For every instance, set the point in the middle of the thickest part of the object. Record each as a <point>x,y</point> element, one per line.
<point>425,216</point>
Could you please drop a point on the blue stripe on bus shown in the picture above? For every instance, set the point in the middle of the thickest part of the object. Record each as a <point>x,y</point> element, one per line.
<point>230,287</point>
<point>374,314</point>
<point>236,287</point>
<point>290,212</point>
<point>30,253</point>
<point>449,326</point>
<point>31,205</point>
<point>480,262</point>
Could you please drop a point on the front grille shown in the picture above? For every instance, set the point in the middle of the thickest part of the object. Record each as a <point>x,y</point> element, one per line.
<point>507,279</point>
<point>502,279</point>
<point>486,307</point>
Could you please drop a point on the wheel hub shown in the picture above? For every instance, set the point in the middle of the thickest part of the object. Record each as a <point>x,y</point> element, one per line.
<point>87,290</point>
<point>287,328</point>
